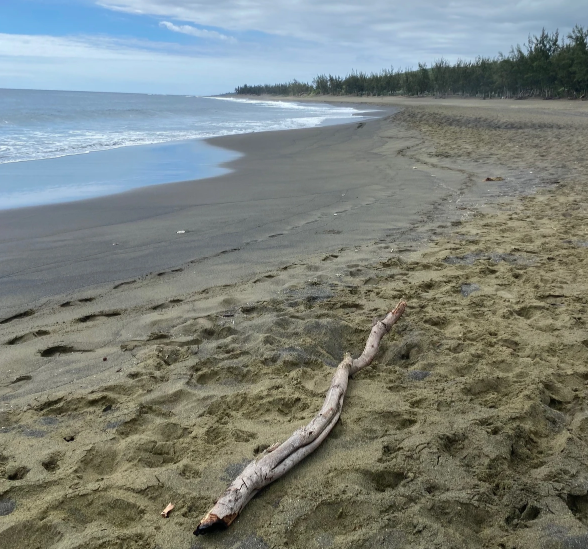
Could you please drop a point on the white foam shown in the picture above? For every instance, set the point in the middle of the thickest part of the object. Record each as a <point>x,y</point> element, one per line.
<point>292,105</point>
<point>22,145</point>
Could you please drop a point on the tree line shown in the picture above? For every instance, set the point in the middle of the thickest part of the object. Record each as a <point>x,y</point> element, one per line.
<point>546,66</point>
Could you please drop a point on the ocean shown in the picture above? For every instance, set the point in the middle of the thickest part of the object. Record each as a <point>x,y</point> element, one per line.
<point>58,146</point>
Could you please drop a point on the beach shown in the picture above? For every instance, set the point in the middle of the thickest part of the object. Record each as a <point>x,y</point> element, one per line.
<point>156,341</point>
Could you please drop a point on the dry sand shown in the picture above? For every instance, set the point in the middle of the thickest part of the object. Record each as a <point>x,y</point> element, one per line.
<point>469,430</point>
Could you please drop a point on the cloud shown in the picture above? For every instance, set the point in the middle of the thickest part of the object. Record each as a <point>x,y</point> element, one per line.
<point>278,40</point>
<point>52,47</point>
<point>401,32</point>
<point>107,64</point>
<point>193,31</point>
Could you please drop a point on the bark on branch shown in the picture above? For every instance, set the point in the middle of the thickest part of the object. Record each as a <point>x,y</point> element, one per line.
<point>280,458</point>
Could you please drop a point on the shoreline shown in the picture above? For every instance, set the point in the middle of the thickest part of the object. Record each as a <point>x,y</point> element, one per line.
<point>111,171</point>
<point>125,217</point>
<point>469,429</point>
<point>50,242</point>
<point>427,101</point>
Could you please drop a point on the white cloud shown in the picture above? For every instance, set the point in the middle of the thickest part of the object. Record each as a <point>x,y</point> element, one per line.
<point>398,31</point>
<point>316,18</point>
<point>279,40</point>
<point>193,31</point>
<point>104,64</point>
<point>12,45</point>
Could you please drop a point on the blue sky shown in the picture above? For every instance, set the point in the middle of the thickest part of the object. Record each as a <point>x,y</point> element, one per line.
<point>211,46</point>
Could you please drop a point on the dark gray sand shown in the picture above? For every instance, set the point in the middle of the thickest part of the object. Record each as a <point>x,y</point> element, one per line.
<point>292,194</point>
<point>469,430</point>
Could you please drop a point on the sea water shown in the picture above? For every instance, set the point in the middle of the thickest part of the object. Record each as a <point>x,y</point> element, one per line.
<point>58,146</point>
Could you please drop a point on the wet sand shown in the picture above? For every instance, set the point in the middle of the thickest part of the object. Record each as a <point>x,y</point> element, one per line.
<point>290,194</point>
<point>469,429</point>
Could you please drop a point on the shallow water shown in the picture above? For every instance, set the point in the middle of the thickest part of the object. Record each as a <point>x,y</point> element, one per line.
<point>100,173</point>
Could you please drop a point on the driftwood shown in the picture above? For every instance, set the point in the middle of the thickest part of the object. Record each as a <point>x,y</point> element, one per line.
<point>280,458</point>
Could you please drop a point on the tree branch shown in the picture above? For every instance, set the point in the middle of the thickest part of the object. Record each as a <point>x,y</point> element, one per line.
<point>279,459</point>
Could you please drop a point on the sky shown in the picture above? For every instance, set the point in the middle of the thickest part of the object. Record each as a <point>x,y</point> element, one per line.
<point>204,47</point>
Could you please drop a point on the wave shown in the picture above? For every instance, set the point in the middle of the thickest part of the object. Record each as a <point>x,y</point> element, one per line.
<point>46,145</point>
<point>335,110</point>
<point>39,132</point>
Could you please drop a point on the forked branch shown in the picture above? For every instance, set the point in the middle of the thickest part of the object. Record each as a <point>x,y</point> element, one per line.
<point>280,458</point>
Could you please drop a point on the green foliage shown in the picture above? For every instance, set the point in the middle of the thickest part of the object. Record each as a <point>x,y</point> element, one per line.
<point>546,66</point>
<point>289,88</point>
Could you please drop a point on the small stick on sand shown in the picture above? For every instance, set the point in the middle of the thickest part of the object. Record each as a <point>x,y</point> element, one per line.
<point>280,458</point>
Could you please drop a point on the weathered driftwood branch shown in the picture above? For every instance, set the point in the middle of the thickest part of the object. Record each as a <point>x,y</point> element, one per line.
<point>280,458</point>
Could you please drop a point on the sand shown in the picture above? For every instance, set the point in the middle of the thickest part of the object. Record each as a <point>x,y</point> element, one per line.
<point>469,429</point>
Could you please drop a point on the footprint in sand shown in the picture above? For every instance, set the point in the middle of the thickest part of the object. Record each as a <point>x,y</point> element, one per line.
<point>27,337</point>
<point>77,302</point>
<point>18,316</point>
<point>96,316</point>
<point>51,462</point>
<point>17,472</point>
<point>61,350</point>
<point>21,378</point>
<point>121,284</point>
<point>166,305</point>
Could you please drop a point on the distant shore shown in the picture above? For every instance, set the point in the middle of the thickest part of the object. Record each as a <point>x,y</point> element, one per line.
<point>563,104</point>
